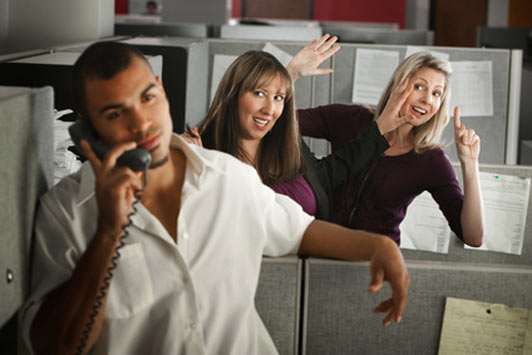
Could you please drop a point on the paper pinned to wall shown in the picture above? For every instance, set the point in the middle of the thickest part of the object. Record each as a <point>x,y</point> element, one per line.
<point>220,64</point>
<point>278,53</point>
<point>425,226</point>
<point>415,49</point>
<point>472,88</point>
<point>472,327</point>
<point>373,70</point>
<point>505,200</point>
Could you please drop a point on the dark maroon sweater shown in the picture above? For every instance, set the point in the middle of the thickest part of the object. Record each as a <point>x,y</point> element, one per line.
<point>376,200</point>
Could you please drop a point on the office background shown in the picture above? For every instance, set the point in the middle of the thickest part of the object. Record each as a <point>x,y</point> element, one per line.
<point>309,305</point>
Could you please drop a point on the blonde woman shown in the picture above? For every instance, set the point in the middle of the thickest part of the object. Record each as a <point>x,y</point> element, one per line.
<point>376,200</point>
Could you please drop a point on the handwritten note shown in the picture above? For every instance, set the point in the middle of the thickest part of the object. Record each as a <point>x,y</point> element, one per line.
<point>425,226</point>
<point>472,88</point>
<point>505,200</point>
<point>219,66</point>
<point>479,328</point>
<point>373,69</point>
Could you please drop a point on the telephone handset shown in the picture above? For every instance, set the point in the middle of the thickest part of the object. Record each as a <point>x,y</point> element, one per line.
<point>137,159</point>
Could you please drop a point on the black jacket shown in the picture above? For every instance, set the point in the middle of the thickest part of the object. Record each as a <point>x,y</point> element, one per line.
<point>334,170</point>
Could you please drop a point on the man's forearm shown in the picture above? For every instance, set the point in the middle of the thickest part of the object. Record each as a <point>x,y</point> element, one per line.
<point>62,318</point>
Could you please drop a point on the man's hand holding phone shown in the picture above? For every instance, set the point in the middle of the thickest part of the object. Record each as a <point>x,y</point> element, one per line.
<point>115,187</point>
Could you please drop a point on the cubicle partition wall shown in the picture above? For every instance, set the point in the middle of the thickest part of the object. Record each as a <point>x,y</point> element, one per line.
<point>377,35</point>
<point>270,33</point>
<point>184,64</point>
<point>53,69</point>
<point>337,316</point>
<point>520,38</point>
<point>498,131</point>
<point>165,29</point>
<point>278,301</point>
<point>337,309</point>
<point>26,153</point>
<point>457,252</point>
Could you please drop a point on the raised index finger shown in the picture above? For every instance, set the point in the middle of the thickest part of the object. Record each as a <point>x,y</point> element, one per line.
<point>457,122</point>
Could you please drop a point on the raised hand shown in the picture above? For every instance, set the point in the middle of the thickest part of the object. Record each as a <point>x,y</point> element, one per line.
<point>466,140</point>
<point>390,118</point>
<point>115,187</point>
<point>307,60</point>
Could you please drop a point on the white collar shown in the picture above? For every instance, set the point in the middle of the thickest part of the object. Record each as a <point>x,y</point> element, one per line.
<point>195,160</point>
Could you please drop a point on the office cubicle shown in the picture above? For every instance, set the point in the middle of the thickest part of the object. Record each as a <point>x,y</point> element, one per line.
<point>337,306</point>
<point>515,38</point>
<point>338,317</point>
<point>26,139</point>
<point>270,33</point>
<point>167,29</point>
<point>184,75</point>
<point>498,130</point>
<point>278,301</point>
<point>377,35</point>
<point>53,69</point>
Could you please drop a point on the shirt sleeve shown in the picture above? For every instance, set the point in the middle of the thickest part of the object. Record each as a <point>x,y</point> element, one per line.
<point>281,219</point>
<point>336,169</point>
<point>337,123</point>
<point>52,262</point>
<point>446,191</point>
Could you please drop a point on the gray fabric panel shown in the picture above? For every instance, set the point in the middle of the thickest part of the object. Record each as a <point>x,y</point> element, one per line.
<point>458,253</point>
<point>161,29</point>
<point>270,33</point>
<point>278,301</point>
<point>490,129</point>
<point>197,84</point>
<point>26,154</point>
<point>339,317</point>
<point>358,34</point>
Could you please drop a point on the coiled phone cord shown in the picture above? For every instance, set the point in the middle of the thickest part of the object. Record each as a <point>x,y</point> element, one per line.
<point>107,279</point>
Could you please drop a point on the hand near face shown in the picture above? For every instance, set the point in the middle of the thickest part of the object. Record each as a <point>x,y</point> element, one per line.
<point>466,140</point>
<point>391,118</point>
<point>307,60</point>
<point>115,187</point>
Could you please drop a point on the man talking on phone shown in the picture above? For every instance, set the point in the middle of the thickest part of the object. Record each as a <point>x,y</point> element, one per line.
<point>185,280</point>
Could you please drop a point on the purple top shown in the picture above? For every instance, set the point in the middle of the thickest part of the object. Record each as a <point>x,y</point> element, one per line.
<point>376,200</point>
<point>299,191</point>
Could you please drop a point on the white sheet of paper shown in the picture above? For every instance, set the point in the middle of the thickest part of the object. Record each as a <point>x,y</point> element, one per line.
<point>278,53</point>
<point>472,327</point>
<point>505,205</point>
<point>65,162</point>
<point>373,70</point>
<point>472,88</point>
<point>220,64</point>
<point>415,49</point>
<point>425,226</point>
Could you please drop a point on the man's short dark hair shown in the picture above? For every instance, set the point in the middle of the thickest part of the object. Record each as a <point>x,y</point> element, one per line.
<point>101,60</point>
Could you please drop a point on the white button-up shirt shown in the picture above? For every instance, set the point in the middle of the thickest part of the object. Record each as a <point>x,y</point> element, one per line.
<point>193,297</point>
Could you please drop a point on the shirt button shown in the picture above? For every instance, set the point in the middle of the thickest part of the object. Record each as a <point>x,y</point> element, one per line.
<point>193,326</point>
<point>185,236</point>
